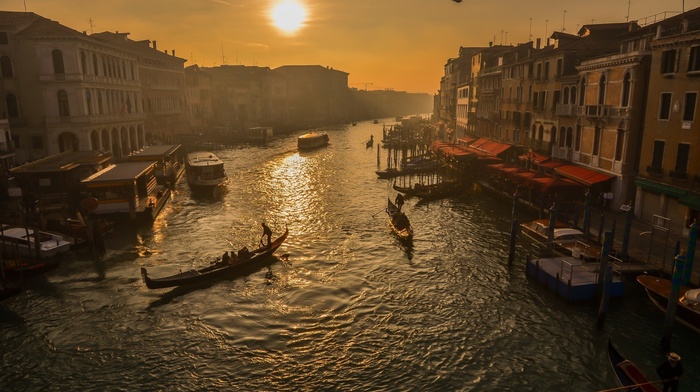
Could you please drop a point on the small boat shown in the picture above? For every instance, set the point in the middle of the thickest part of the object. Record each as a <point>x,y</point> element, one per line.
<point>566,239</point>
<point>399,222</point>
<point>659,291</point>
<point>26,269</point>
<point>21,241</point>
<point>628,374</point>
<point>218,270</point>
<point>375,122</point>
<point>313,140</point>
<point>205,170</point>
<point>438,190</point>
<point>370,143</point>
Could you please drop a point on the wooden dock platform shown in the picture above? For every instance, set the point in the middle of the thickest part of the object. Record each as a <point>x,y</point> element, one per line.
<point>572,278</point>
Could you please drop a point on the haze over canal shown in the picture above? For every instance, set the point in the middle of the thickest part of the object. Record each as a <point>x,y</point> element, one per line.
<point>352,309</point>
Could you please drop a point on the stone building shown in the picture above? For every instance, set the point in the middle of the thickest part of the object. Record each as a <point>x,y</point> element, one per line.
<point>198,92</point>
<point>64,90</point>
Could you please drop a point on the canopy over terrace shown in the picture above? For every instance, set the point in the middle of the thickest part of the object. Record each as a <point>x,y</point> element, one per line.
<point>453,151</point>
<point>582,175</point>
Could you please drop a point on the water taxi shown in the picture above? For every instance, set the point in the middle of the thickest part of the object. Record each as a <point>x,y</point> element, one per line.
<point>205,170</point>
<point>313,140</point>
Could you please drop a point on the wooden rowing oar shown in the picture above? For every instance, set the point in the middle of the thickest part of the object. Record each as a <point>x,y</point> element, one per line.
<point>632,386</point>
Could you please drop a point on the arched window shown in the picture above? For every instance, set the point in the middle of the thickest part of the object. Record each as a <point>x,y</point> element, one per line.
<point>582,93</point>
<point>626,89</point>
<point>83,63</point>
<point>100,107</point>
<point>88,101</point>
<point>12,106</point>
<point>573,95</point>
<point>601,90</point>
<point>566,95</point>
<point>95,65</point>
<point>569,137</point>
<point>63,108</point>
<point>540,134</point>
<point>562,136</point>
<point>6,67</point>
<point>58,66</point>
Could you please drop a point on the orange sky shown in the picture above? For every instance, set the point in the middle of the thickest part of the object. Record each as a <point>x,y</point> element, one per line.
<point>397,44</point>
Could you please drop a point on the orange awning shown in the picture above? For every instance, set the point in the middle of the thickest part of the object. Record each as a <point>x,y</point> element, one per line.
<point>549,184</point>
<point>534,157</point>
<point>582,175</point>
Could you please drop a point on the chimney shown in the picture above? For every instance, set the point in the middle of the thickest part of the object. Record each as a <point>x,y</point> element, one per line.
<point>173,52</point>
<point>539,42</point>
<point>154,45</point>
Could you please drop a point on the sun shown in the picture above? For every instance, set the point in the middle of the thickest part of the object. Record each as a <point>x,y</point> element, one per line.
<point>288,15</point>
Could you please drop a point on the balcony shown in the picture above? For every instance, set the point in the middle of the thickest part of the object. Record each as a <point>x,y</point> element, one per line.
<point>597,111</point>
<point>566,110</point>
<point>654,171</point>
<point>619,112</point>
<point>678,176</point>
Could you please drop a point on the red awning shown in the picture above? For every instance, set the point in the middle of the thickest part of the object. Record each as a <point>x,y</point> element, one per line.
<point>582,175</point>
<point>551,164</point>
<point>549,184</point>
<point>465,140</point>
<point>479,142</point>
<point>534,157</point>
<point>452,150</point>
<point>489,146</point>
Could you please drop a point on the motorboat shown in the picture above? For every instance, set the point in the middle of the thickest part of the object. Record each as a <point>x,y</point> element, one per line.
<point>312,140</point>
<point>21,241</point>
<point>205,170</point>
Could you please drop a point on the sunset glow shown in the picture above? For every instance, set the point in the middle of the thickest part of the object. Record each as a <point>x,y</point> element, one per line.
<point>288,15</point>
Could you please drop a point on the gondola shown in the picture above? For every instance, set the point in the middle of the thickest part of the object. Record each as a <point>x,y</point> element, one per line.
<point>628,374</point>
<point>399,222</point>
<point>218,270</point>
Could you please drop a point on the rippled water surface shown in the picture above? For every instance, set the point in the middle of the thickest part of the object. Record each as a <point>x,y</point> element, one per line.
<point>351,309</point>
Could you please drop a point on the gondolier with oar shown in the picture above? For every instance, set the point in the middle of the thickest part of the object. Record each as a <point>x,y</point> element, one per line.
<point>671,371</point>
<point>266,233</point>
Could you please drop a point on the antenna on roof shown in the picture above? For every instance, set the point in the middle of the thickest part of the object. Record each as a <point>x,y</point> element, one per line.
<point>91,30</point>
<point>25,5</point>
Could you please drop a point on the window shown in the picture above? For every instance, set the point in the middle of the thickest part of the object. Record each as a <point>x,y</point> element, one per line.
<point>569,137</point>
<point>562,137</point>
<point>619,143</point>
<point>560,67</point>
<point>596,141</point>
<point>626,90</point>
<point>694,59</point>
<point>682,159</point>
<point>665,106</point>
<point>63,108</point>
<point>57,57</point>
<point>573,95</point>
<point>12,106</point>
<point>582,92</point>
<point>6,67</point>
<point>579,132</point>
<point>668,61</point>
<point>689,106</point>
<point>601,90</point>
<point>539,71</point>
<point>555,100</point>
<point>658,155</point>
<point>546,70</point>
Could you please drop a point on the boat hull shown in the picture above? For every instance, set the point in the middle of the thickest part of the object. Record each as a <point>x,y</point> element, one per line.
<point>627,373</point>
<point>403,231</point>
<point>217,271</point>
<point>659,291</point>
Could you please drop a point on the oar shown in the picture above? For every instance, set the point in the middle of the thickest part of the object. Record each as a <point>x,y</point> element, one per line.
<point>632,386</point>
<point>375,214</point>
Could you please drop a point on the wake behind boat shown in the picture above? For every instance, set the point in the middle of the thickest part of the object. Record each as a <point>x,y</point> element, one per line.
<point>218,270</point>
<point>204,170</point>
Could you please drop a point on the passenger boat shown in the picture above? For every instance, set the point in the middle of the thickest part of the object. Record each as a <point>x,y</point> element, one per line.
<point>628,374</point>
<point>204,170</point>
<point>313,140</point>
<point>126,190</point>
<point>169,161</point>
<point>221,269</point>
<point>21,241</point>
<point>399,221</point>
<point>659,291</point>
<point>438,190</point>
<point>566,239</point>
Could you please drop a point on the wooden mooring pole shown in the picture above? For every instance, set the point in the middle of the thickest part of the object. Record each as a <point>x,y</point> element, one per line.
<point>513,229</point>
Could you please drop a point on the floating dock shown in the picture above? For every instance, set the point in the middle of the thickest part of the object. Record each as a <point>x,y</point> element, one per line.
<point>571,278</point>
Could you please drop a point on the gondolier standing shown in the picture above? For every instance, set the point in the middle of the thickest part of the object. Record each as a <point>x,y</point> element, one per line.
<point>670,371</point>
<point>399,201</point>
<point>266,232</point>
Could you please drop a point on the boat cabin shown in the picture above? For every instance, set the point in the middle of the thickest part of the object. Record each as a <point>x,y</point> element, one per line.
<point>170,161</point>
<point>312,140</point>
<point>127,189</point>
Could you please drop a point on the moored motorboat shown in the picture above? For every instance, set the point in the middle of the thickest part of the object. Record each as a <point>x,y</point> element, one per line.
<point>221,269</point>
<point>312,140</point>
<point>205,170</point>
<point>399,221</point>
<point>628,373</point>
<point>28,242</point>
<point>565,238</point>
<point>659,291</point>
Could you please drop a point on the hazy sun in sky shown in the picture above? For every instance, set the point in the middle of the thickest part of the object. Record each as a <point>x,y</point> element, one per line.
<point>288,15</point>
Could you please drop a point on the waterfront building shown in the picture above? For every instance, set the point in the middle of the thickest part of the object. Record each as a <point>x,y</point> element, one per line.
<point>604,128</point>
<point>668,182</point>
<point>316,95</point>
<point>246,96</point>
<point>453,83</point>
<point>64,90</point>
<point>198,91</point>
<point>517,83</point>
<point>162,86</point>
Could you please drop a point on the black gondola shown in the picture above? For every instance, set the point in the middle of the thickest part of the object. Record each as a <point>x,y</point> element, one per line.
<point>399,221</point>
<point>218,270</point>
<point>628,374</point>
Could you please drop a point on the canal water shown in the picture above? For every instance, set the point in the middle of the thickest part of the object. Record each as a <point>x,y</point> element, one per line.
<point>349,307</point>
